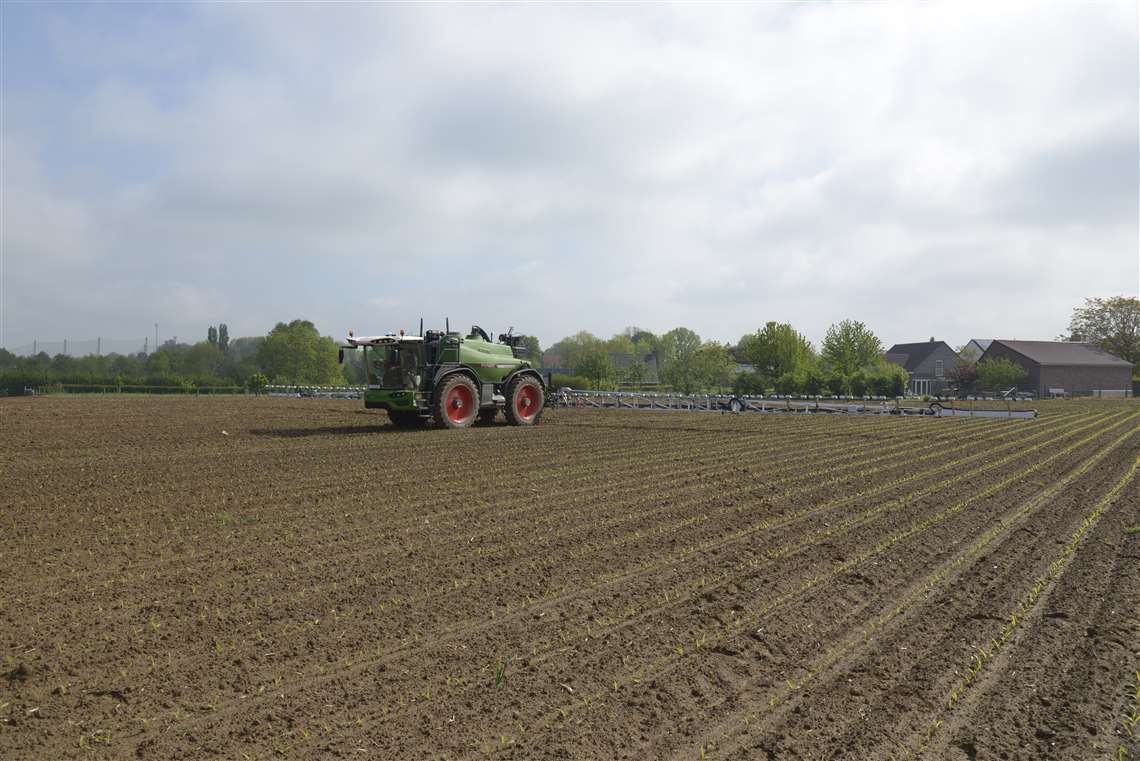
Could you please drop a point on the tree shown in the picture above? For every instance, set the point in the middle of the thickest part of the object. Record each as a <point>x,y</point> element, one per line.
<point>645,343</point>
<point>203,362</point>
<point>257,382</point>
<point>713,364</point>
<point>636,372</point>
<point>776,349</point>
<point>677,355</point>
<point>223,337</point>
<point>836,383</point>
<point>569,348</point>
<point>212,336</point>
<point>592,361</point>
<point>786,384</point>
<point>962,377</point>
<point>297,353</point>
<point>748,384</point>
<point>849,346</point>
<point>999,374</point>
<point>810,380</point>
<point>534,350</point>
<point>622,344</point>
<point>888,379</point>
<point>1113,324</point>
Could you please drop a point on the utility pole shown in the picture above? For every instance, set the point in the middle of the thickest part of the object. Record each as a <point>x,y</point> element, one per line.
<point>65,347</point>
<point>156,336</point>
<point>98,346</point>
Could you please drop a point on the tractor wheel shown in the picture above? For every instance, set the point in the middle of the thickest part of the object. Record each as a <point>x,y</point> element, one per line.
<point>456,402</point>
<point>525,400</point>
<point>406,420</point>
<point>486,417</point>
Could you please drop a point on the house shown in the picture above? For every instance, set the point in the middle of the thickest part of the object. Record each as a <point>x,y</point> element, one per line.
<point>927,363</point>
<point>974,350</point>
<point>1055,368</point>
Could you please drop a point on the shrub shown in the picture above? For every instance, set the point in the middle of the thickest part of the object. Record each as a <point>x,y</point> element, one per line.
<point>578,382</point>
<point>811,381</point>
<point>749,384</point>
<point>257,383</point>
<point>836,383</point>
<point>786,384</point>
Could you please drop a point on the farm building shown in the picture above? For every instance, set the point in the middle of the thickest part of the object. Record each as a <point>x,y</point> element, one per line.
<point>927,363</point>
<point>1055,368</point>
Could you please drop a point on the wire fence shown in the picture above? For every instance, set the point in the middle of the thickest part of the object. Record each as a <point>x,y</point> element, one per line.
<point>84,347</point>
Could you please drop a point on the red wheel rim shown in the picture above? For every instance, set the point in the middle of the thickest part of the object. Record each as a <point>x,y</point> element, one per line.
<point>526,402</point>
<point>460,404</point>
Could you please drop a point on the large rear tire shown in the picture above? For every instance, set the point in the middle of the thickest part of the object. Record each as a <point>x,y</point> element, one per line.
<point>525,401</point>
<point>406,420</point>
<point>456,402</point>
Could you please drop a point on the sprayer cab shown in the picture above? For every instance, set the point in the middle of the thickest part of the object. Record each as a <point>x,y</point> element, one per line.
<point>450,379</point>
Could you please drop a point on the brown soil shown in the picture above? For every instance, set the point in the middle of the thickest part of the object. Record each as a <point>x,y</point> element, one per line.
<point>257,578</point>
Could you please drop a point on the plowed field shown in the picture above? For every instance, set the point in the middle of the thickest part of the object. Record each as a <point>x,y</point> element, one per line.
<point>261,578</point>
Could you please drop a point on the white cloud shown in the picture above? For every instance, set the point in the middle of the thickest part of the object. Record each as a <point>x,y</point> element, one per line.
<point>567,167</point>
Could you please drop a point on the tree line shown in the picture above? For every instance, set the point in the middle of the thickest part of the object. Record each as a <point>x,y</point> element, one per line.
<point>776,358</point>
<point>291,353</point>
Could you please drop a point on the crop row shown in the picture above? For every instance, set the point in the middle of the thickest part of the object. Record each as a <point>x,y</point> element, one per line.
<point>407,641</point>
<point>576,477</point>
<point>461,681</point>
<point>1025,606</point>
<point>923,591</point>
<point>578,586</point>
<point>324,568</point>
<point>741,621</point>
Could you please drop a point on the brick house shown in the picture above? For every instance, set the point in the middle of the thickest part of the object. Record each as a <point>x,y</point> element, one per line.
<point>1061,367</point>
<point>926,362</point>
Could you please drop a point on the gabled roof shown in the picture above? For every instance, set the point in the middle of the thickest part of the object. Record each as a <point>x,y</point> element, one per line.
<point>914,354</point>
<point>983,343</point>
<point>896,358</point>
<point>1063,353</point>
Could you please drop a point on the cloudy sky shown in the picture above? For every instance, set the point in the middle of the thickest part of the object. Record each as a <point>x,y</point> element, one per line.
<point>955,170</point>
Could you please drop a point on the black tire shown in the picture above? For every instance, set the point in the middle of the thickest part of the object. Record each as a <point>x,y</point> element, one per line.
<point>525,395</point>
<point>456,402</point>
<point>406,420</point>
<point>486,417</point>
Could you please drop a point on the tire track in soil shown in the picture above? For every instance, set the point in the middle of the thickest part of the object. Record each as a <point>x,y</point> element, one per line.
<point>325,680</point>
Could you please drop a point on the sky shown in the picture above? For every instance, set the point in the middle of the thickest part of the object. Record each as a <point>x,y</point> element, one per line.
<point>954,170</point>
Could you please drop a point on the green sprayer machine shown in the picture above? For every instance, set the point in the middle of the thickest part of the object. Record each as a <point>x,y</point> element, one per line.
<point>450,379</point>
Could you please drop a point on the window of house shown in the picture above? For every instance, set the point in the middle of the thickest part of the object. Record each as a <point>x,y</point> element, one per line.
<point>937,368</point>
